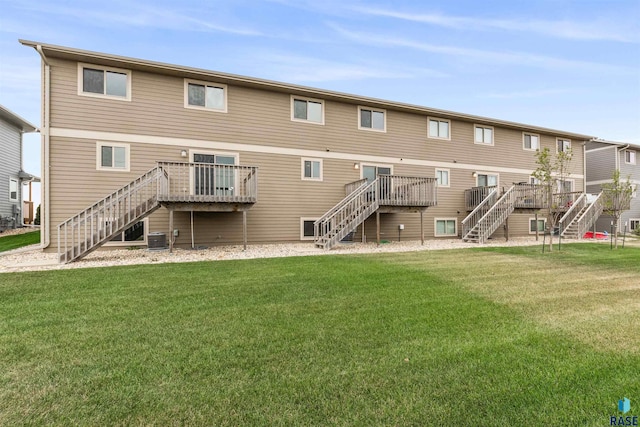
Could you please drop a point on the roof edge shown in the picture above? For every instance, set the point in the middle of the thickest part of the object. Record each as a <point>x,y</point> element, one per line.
<point>23,124</point>
<point>81,54</point>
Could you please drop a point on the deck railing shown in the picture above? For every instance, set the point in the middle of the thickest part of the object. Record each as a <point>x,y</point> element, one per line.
<point>563,201</point>
<point>206,182</point>
<point>475,196</point>
<point>352,186</point>
<point>530,196</point>
<point>396,190</point>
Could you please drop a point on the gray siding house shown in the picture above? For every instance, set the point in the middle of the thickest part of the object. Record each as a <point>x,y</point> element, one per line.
<point>602,159</point>
<point>12,176</point>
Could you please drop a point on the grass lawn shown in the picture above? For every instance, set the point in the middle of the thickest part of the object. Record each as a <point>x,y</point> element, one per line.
<point>16,241</point>
<point>486,336</point>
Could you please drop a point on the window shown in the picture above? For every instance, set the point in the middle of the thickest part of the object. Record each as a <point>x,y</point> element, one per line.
<point>203,95</point>
<point>439,128</point>
<point>634,224</point>
<point>13,190</point>
<point>564,186</point>
<point>484,135</point>
<point>541,225</point>
<point>312,169</point>
<point>534,180</point>
<point>307,231</point>
<point>530,141</point>
<point>486,180</point>
<point>112,156</point>
<point>563,145</point>
<point>442,177</point>
<point>105,82</point>
<point>307,110</point>
<point>132,235</point>
<point>630,157</point>
<point>446,227</point>
<point>371,119</point>
<point>214,174</point>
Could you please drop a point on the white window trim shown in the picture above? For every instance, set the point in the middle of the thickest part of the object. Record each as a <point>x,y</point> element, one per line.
<point>435,227</point>
<point>635,157</point>
<point>478,173</point>
<point>562,139</point>
<point>493,132</point>
<point>81,91</point>
<point>633,219</point>
<point>532,134</point>
<point>533,180</point>
<point>204,83</point>
<point>533,218</point>
<point>372,129</point>
<point>448,138</point>
<point>309,159</point>
<point>448,175</point>
<point>143,242</point>
<point>302,220</point>
<point>127,156</point>
<point>17,181</point>
<point>304,98</point>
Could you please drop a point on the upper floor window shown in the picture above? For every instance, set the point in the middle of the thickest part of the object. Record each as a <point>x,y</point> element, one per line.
<point>372,119</point>
<point>13,190</point>
<point>105,82</point>
<point>630,157</point>
<point>530,141</point>
<point>484,135</point>
<point>312,169</point>
<point>307,110</point>
<point>563,145</point>
<point>203,95</point>
<point>112,156</point>
<point>442,177</point>
<point>439,128</point>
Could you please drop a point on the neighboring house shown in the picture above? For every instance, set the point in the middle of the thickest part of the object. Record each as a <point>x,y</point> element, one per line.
<point>605,157</point>
<point>208,145</point>
<point>12,176</point>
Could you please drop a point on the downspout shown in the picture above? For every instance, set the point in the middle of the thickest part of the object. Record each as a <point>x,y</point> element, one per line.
<point>45,211</point>
<point>618,151</point>
<point>584,166</point>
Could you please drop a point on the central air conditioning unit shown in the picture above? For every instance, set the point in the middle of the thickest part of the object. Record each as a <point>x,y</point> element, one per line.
<point>156,241</point>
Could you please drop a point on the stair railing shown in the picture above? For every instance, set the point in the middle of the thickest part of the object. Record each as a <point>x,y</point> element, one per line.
<point>344,217</point>
<point>573,212</point>
<point>496,214</point>
<point>90,228</point>
<point>482,207</point>
<point>590,215</point>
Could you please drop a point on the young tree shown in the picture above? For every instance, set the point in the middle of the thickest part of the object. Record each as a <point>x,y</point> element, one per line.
<point>549,173</point>
<point>616,199</point>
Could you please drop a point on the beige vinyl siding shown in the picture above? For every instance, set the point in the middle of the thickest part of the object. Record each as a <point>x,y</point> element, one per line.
<point>261,117</point>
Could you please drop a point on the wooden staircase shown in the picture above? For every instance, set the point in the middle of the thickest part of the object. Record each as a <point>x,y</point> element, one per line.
<point>89,229</point>
<point>350,212</point>
<point>494,216</point>
<point>580,217</point>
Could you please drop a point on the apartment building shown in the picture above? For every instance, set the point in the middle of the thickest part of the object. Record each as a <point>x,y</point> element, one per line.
<point>605,157</point>
<point>209,158</point>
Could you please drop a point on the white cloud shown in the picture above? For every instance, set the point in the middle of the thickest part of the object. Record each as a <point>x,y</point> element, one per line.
<point>560,29</point>
<point>507,57</point>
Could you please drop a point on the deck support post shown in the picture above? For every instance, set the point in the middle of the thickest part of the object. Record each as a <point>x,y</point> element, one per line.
<point>506,228</point>
<point>422,228</point>
<point>244,229</point>
<point>378,226</point>
<point>170,231</point>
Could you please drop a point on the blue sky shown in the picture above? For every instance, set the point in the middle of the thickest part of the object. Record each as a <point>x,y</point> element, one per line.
<point>572,65</point>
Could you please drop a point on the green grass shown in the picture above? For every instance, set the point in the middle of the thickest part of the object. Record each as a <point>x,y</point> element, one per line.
<point>467,337</point>
<point>16,241</point>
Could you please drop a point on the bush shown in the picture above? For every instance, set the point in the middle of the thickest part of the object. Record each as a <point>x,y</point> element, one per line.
<point>36,221</point>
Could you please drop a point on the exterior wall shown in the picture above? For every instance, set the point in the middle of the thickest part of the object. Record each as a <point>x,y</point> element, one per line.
<point>258,128</point>
<point>600,166</point>
<point>10,155</point>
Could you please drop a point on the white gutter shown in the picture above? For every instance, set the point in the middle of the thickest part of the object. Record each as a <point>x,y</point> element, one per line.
<point>45,211</point>
<point>618,151</point>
